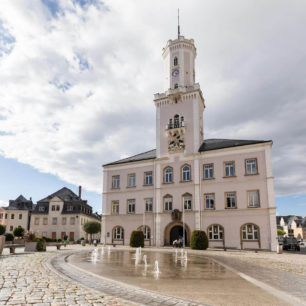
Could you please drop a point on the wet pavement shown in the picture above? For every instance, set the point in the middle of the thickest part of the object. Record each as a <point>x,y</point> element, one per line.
<point>198,279</point>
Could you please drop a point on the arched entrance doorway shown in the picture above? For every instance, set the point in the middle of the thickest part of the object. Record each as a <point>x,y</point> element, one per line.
<point>176,232</point>
<point>175,229</point>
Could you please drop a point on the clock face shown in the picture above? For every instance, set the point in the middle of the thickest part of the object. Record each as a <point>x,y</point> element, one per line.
<point>175,72</point>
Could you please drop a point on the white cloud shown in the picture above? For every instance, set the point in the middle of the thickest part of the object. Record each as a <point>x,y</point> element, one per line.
<point>3,203</point>
<point>76,90</point>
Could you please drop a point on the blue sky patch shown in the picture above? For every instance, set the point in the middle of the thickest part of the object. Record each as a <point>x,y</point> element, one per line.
<point>6,40</point>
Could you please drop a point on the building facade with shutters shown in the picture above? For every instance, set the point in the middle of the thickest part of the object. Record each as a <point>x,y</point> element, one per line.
<point>221,186</point>
<point>63,213</point>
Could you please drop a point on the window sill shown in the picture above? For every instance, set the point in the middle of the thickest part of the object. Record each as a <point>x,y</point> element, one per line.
<point>209,209</point>
<point>186,181</point>
<point>230,207</point>
<point>115,188</point>
<point>145,185</point>
<point>253,206</point>
<point>229,176</point>
<point>166,183</point>
<point>131,186</point>
<point>114,214</point>
<point>251,174</point>
<point>208,178</point>
<point>250,240</point>
<point>168,211</point>
<point>217,240</point>
<point>148,212</point>
<point>131,213</point>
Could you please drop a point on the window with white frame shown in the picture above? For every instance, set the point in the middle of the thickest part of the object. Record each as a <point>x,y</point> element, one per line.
<point>72,221</point>
<point>64,221</point>
<point>215,232</point>
<point>229,168</point>
<point>41,208</point>
<point>251,166</point>
<point>149,205</point>
<point>230,200</point>
<point>253,198</point>
<point>148,178</point>
<point>118,233</point>
<point>115,207</point>
<point>250,232</point>
<point>168,203</point>
<point>187,202</point>
<point>53,207</point>
<point>146,232</point>
<point>36,221</point>
<point>186,173</point>
<point>69,208</point>
<point>115,181</point>
<point>208,171</point>
<point>168,175</point>
<point>45,221</point>
<point>132,180</point>
<point>54,221</point>
<point>209,201</point>
<point>20,216</point>
<point>131,206</point>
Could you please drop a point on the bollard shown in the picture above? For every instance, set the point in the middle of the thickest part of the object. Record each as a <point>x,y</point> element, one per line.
<point>279,249</point>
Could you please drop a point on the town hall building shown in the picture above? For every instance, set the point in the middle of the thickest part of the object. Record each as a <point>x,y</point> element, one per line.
<point>221,186</point>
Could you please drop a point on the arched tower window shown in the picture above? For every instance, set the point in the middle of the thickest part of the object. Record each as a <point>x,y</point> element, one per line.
<point>176,121</point>
<point>175,61</point>
<point>176,85</point>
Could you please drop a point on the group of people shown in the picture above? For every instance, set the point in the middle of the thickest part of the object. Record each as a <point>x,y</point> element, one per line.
<point>178,243</point>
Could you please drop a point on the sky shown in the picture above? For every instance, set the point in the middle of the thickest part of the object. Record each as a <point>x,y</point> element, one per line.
<point>77,79</point>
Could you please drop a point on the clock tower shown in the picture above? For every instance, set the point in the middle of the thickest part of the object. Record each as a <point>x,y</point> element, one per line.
<point>179,110</point>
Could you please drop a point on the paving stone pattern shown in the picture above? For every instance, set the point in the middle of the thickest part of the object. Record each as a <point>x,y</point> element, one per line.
<point>24,280</point>
<point>130,293</point>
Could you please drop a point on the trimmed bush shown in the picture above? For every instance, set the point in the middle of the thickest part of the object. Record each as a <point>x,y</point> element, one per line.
<point>18,231</point>
<point>9,237</point>
<point>137,239</point>
<point>280,232</point>
<point>59,240</point>
<point>40,246</point>
<point>2,229</point>
<point>199,240</point>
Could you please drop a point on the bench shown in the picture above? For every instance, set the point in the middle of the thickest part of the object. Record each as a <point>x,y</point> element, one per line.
<point>57,244</point>
<point>12,247</point>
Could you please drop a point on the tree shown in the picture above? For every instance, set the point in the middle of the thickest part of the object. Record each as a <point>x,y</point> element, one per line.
<point>199,240</point>
<point>2,229</point>
<point>18,231</point>
<point>92,227</point>
<point>280,232</point>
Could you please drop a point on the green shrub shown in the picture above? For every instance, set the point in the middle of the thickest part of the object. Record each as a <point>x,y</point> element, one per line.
<point>2,229</point>
<point>9,237</point>
<point>280,232</point>
<point>137,239</point>
<point>82,238</point>
<point>40,246</point>
<point>59,240</point>
<point>18,231</point>
<point>71,239</point>
<point>199,240</point>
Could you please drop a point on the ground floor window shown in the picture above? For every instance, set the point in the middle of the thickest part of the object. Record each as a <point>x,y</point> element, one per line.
<point>215,232</point>
<point>250,232</point>
<point>146,231</point>
<point>118,233</point>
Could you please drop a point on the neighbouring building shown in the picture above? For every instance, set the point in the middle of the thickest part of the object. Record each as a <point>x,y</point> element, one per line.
<point>18,213</point>
<point>3,216</point>
<point>63,213</point>
<point>294,226</point>
<point>221,186</point>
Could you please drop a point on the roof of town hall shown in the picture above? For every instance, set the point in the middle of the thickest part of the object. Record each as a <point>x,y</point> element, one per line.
<point>207,145</point>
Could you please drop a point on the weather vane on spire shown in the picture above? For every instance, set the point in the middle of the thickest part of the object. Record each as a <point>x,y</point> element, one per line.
<point>178,23</point>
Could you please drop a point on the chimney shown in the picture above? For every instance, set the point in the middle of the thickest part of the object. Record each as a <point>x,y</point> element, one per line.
<point>80,192</point>
<point>30,198</point>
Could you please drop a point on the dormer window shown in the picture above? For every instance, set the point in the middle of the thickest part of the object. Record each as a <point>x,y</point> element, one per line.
<point>41,208</point>
<point>175,61</point>
<point>69,208</point>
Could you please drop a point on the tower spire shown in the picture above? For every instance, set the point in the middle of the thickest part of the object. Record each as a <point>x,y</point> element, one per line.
<point>178,23</point>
